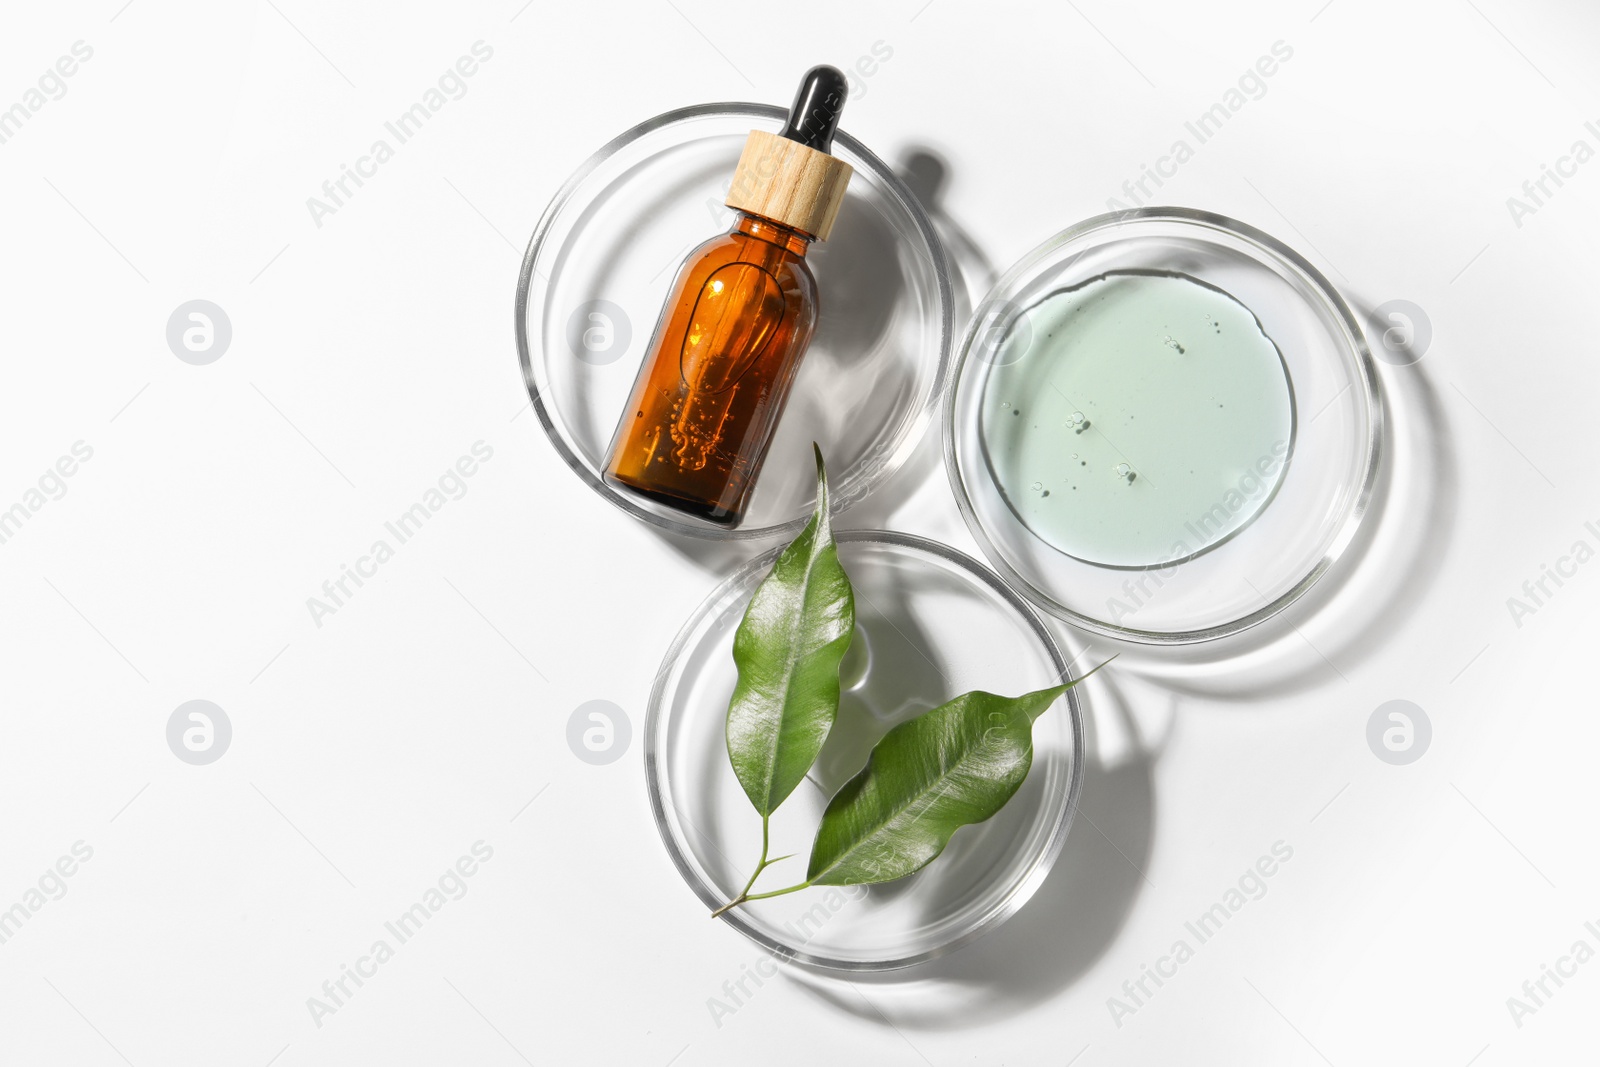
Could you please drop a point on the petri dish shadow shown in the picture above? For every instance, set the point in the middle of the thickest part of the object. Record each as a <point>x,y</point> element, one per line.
<point>905,660</point>
<point>1068,925</point>
<point>896,675</point>
<point>890,673</point>
<point>1369,593</point>
<point>903,675</point>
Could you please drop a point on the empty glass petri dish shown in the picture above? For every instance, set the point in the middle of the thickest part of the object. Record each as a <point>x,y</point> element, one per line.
<point>604,254</point>
<point>931,624</point>
<point>1163,425</point>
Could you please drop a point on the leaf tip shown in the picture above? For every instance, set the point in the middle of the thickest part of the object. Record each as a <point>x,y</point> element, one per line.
<point>1057,691</point>
<point>822,483</point>
<point>1103,663</point>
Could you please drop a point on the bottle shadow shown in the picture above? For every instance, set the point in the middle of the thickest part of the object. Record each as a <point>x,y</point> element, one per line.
<point>972,274</point>
<point>1078,911</point>
<point>859,374</point>
<point>1359,605</point>
<point>860,277</point>
<point>926,173</point>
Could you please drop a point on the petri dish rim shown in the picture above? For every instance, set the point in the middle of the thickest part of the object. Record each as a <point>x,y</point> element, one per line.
<point>1355,349</point>
<point>1288,459</point>
<point>881,467</point>
<point>1041,863</point>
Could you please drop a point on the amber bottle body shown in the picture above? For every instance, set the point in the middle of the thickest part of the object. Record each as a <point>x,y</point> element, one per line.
<point>717,372</point>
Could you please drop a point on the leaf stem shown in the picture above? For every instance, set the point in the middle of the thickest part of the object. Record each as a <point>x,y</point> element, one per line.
<point>761,865</point>
<point>778,892</point>
<point>749,896</point>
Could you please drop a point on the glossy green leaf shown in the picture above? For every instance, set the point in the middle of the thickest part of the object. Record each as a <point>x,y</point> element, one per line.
<point>788,647</point>
<point>928,777</point>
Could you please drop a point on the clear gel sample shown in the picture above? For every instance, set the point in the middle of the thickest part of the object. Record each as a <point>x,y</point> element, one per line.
<point>1137,419</point>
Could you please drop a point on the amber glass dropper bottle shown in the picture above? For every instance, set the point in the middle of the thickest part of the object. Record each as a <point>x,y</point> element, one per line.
<point>737,321</point>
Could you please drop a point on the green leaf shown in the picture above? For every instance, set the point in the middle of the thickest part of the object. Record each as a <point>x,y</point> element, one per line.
<point>795,632</point>
<point>928,777</point>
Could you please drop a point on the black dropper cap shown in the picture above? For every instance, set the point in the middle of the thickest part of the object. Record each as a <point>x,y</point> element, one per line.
<point>814,115</point>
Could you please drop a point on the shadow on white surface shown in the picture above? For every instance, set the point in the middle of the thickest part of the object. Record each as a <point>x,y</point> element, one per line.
<point>1070,922</point>
<point>856,284</point>
<point>925,173</point>
<point>1084,903</point>
<point>1367,595</point>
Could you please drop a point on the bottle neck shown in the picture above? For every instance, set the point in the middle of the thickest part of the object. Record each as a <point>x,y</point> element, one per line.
<point>762,229</point>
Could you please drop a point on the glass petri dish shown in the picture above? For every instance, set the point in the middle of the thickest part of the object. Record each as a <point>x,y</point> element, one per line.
<point>1255,460</point>
<point>603,256</point>
<point>931,623</point>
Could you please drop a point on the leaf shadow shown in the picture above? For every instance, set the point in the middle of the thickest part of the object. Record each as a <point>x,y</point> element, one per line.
<point>1068,925</point>
<point>889,681</point>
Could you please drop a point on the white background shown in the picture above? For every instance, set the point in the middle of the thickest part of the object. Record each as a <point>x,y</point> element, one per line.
<point>371,352</point>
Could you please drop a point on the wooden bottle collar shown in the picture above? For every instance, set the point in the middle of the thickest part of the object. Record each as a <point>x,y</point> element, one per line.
<point>790,184</point>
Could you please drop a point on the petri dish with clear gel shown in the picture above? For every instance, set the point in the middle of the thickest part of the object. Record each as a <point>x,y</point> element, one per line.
<point>1163,425</point>
<point>602,258</point>
<point>931,624</point>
